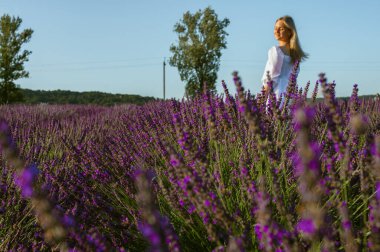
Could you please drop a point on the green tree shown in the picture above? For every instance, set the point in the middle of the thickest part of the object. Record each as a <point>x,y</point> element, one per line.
<point>12,58</point>
<point>201,37</point>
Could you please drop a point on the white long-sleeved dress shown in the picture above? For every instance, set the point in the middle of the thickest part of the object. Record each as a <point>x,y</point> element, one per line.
<point>280,67</point>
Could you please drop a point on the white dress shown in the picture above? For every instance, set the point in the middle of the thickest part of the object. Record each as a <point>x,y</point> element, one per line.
<point>280,67</point>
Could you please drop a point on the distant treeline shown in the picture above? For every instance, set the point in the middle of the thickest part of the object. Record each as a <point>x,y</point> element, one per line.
<point>71,97</point>
<point>365,97</point>
<point>100,98</point>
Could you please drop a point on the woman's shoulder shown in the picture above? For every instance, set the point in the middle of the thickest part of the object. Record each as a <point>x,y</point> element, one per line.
<point>274,52</point>
<point>273,49</point>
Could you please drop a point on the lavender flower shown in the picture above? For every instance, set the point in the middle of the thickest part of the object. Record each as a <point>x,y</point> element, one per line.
<point>26,179</point>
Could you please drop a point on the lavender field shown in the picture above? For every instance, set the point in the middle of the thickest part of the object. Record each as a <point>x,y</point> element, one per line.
<point>213,173</point>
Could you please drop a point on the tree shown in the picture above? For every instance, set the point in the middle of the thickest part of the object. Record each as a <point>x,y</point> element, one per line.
<point>11,58</point>
<point>201,37</point>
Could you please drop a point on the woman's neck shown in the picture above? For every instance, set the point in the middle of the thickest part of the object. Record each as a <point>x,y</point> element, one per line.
<point>285,47</point>
<point>283,43</point>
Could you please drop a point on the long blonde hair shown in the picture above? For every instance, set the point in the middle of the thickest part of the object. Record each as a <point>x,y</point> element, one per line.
<point>296,52</point>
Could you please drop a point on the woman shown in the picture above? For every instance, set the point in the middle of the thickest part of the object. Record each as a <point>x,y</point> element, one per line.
<point>282,57</point>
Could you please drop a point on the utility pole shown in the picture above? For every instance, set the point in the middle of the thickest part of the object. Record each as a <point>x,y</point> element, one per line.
<point>164,77</point>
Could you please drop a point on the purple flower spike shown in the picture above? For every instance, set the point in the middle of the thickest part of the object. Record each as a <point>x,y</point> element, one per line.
<point>306,226</point>
<point>346,225</point>
<point>26,179</point>
<point>241,108</point>
<point>191,209</point>
<point>174,161</point>
<point>150,234</point>
<point>258,232</point>
<point>207,203</point>
<point>378,190</point>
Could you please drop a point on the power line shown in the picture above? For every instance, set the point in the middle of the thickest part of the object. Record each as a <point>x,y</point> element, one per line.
<point>98,67</point>
<point>339,65</point>
<point>248,61</point>
<point>96,62</point>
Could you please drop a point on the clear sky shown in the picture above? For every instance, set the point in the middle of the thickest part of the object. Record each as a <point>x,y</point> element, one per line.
<point>118,46</point>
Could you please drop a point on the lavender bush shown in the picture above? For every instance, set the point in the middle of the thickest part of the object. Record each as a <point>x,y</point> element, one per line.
<point>214,173</point>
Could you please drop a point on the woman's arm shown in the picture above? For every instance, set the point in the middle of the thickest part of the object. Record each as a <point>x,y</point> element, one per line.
<point>273,65</point>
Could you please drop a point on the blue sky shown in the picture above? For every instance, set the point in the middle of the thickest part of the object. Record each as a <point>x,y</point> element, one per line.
<point>118,46</point>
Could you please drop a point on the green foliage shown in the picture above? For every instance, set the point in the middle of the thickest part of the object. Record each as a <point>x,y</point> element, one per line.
<point>11,58</point>
<point>70,97</point>
<point>201,37</point>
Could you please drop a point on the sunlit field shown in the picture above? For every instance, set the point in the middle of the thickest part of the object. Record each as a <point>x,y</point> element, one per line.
<point>212,173</point>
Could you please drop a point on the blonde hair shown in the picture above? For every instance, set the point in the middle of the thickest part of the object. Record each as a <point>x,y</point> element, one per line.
<point>296,52</point>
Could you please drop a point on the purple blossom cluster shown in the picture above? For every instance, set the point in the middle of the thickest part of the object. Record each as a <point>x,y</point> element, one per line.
<point>242,172</point>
